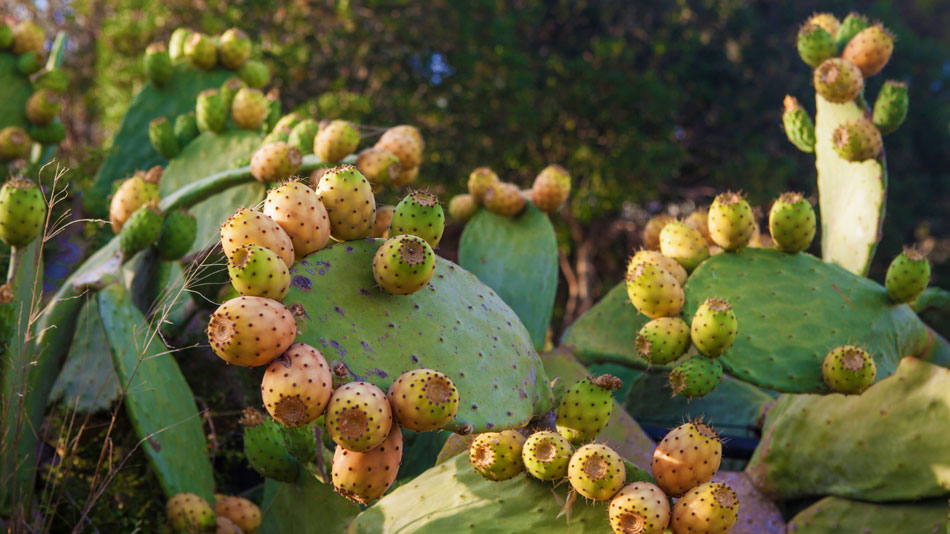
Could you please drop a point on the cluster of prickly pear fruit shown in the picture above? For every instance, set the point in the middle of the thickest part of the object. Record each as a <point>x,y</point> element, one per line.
<point>550,190</point>
<point>189,513</point>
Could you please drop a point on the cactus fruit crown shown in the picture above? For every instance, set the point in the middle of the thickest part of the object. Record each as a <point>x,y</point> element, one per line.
<point>790,198</point>
<point>853,359</point>
<point>913,254</point>
<point>424,198</point>
<point>791,104</point>
<point>724,496</point>
<point>251,418</point>
<point>222,329</point>
<point>718,305</point>
<point>608,382</point>
<point>483,456</point>
<point>412,252</point>
<point>289,408</point>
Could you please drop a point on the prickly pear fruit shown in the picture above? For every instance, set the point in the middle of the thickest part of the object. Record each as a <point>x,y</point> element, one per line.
<point>684,244</point>
<point>178,234</point>
<point>403,264</point>
<point>838,80</point>
<point>907,276</point>
<point>731,222</point>
<point>42,107</point>
<point>409,130</point>
<point>176,43</point>
<point>27,37</point>
<point>596,472</point>
<point>29,63</point>
<point>249,108</point>
<point>654,292</point>
<point>825,21</point>
<point>639,508</point>
<point>134,193</point>
<point>186,128</point>
<point>211,112</point>
<point>656,258</point>
<point>301,136</point>
<point>857,140</point>
<point>546,454</point>
<point>298,210</point>
<point>663,340</point>
<point>162,136</point>
<point>365,476</point>
<point>242,512</point>
<point>141,230</point>
<point>406,177</point>
<point>189,513</point>
<point>22,212</point>
<point>384,214</point>
<point>497,455</point>
<point>297,385</point>
<point>158,64</point>
<point>504,199</point>
<point>247,226</point>
<point>480,181</point>
<point>381,167</point>
<point>53,79</point>
<point>870,49</point>
<point>358,416</point>
<point>423,400</point>
<point>850,27</point>
<point>815,44</point>
<point>230,87</point>
<point>792,223</point>
<point>234,47</point>
<point>798,125</point>
<point>256,271</point>
<point>890,108</point>
<point>200,50</point>
<point>551,188</point>
<point>688,456</point>
<point>226,526</point>
<point>419,214</point>
<point>336,141</point>
<point>348,198</point>
<point>251,331</point>
<point>650,235</point>
<point>585,408</point>
<point>264,447</point>
<point>848,369</point>
<point>406,146</point>
<point>254,73</point>
<point>714,327</point>
<point>711,508</point>
<point>696,377</point>
<point>462,207</point>
<point>14,143</point>
<point>50,134</point>
<point>276,161</point>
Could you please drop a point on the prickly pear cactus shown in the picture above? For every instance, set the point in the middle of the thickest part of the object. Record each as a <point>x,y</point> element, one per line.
<point>88,382</point>
<point>608,331</point>
<point>517,257</point>
<point>455,325</point>
<point>16,90</point>
<point>833,515</point>
<point>306,507</point>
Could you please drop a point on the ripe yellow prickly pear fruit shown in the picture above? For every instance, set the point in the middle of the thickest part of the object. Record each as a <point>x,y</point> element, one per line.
<point>848,369</point>
<point>243,513</point>
<point>403,264</point>
<point>336,141</point>
<point>825,21</point>
<point>731,222</point>
<point>256,271</point>
<point>650,235</point>
<point>480,181</point>
<point>585,408</point>
<point>504,199</point>
<point>546,455</point>
<point>365,476</point>
<point>870,49</point>
<point>551,188</point>
<point>135,192</point>
<point>187,512</point>
<point>596,472</point>
<point>251,331</point>
<point>358,416</point>
<point>423,400</point>
<point>838,80</point>
<point>639,508</point>
<point>688,456</point>
<point>699,219</point>
<point>497,455</point>
<point>348,198</point>
<point>380,167</point>
<point>247,226</point>
<point>275,161</point>
<point>857,140</point>
<point>684,244</point>
<point>406,146</point>
<point>798,125</point>
<point>22,212</point>
<point>907,276</point>
<point>656,258</point>
<point>297,385</point>
<point>792,223</point>
<point>711,508</point>
<point>234,47</point>
<point>654,292</point>
<point>714,327</point>
<point>201,51</point>
<point>462,207</point>
<point>384,215</point>
<point>298,211</point>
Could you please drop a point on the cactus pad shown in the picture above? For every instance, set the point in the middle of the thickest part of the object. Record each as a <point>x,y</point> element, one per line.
<point>304,508</point>
<point>608,331</point>
<point>16,90</point>
<point>87,382</point>
<point>833,515</point>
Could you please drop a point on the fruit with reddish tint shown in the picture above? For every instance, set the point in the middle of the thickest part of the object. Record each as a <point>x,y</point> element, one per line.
<point>504,199</point>
<point>497,455</point>
<point>243,513</point>
<point>251,331</point>
<point>406,146</point>
<point>639,508</point>
<point>298,211</point>
<point>650,235</point>
<point>297,385</point>
<point>423,400</point>
<point>365,476</point>
<point>358,416</point>
<point>551,188</point>
<point>711,508</point>
<point>137,191</point>
<point>838,80</point>
<point>276,161</point>
<point>870,49</point>
<point>688,456</point>
<point>380,167</point>
<point>384,214</point>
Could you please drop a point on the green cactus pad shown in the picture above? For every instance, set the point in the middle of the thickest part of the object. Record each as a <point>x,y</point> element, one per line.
<point>851,195</point>
<point>886,444</point>
<point>157,398</point>
<point>833,515</point>
<point>88,382</point>
<point>517,257</point>
<point>455,325</point>
<point>451,497</point>
<point>933,306</point>
<point>608,332</point>
<point>819,306</point>
<point>16,91</point>
<point>308,507</point>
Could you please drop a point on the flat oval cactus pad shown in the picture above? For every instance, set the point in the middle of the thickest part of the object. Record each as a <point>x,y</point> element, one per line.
<point>608,331</point>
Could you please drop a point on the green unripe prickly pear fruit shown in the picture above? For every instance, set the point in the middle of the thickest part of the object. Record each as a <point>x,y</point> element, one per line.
<point>497,455</point>
<point>27,37</point>
<point>49,134</point>
<point>302,135</point>
<point>229,88</point>
<point>907,276</point>
<point>850,27</point>
<point>711,508</point>
<point>249,109</point>
<point>857,140</point>
<point>815,44</point>
<point>838,80</point>
<point>301,441</point>
<point>825,21</point>
<point>264,447</point>
<point>653,291</point>
<point>53,79</point>
<point>336,141</point>
<point>688,455</point>
<point>714,327</point>
<point>423,400</point>
<point>158,64</point>
<point>798,125</point>
<point>870,49</point>
<point>201,51</point>
<point>350,203</point>
<point>141,230</point>
<point>210,111</point>
<point>419,214</point>
<point>849,370</point>
<point>684,244</point>
<point>22,212</point>
<point>792,223</point>
<point>730,221</point>
<point>504,199</point>
<point>381,167</point>
<point>186,128</point>
<point>585,408</point>
<point>273,116</point>
<point>254,73</point>
<point>189,513</point>
<point>234,47</point>
<point>258,272</point>
<point>890,108</point>
<point>42,107</point>
<point>596,471</point>
<point>176,43</point>
<point>14,143</point>
<point>6,35</point>
<point>462,207</point>
<point>546,455</point>
<point>163,139</point>
<point>696,377</point>
<point>480,181</point>
<point>178,234</point>
<point>29,63</point>
<point>403,265</point>
<point>288,122</point>
<point>663,340</point>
